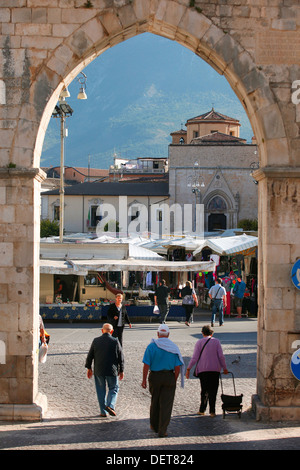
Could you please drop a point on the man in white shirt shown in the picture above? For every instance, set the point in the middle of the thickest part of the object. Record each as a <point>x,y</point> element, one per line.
<point>217,293</point>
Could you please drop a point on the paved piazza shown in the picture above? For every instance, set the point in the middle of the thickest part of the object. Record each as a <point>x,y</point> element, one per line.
<point>73,422</point>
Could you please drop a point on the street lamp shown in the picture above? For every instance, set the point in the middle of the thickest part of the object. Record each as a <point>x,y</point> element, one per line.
<point>63,110</point>
<point>195,182</point>
<point>82,81</point>
<point>254,166</point>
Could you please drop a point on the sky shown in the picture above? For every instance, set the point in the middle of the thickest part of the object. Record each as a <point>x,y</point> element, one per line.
<point>139,91</point>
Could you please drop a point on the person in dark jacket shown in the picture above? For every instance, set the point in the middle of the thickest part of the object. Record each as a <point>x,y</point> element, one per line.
<point>108,358</point>
<point>161,299</point>
<point>117,316</point>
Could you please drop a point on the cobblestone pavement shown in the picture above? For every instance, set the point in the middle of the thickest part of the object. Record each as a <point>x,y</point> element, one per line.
<point>72,421</point>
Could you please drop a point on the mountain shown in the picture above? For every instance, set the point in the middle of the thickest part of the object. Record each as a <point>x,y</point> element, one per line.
<point>138,92</point>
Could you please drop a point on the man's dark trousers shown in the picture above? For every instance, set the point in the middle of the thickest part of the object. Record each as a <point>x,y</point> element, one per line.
<point>163,312</point>
<point>118,333</point>
<point>162,386</point>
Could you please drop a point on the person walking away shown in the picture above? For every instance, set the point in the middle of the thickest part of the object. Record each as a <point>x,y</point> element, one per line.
<point>161,299</point>
<point>163,359</point>
<point>238,292</point>
<point>107,355</point>
<point>209,359</point>
<point>217,294</point>
<point>117,316</point>
<point>44,336</point>
<point>189,300</point>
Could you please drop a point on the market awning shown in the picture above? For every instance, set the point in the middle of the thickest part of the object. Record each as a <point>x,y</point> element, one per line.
<point>189,243</point>
<point>139,252</point>
<point>82,267</point>
<point>50,266</point>
<point>230,245</point>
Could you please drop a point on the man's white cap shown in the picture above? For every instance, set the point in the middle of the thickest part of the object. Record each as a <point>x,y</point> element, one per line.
<point>163,328</point>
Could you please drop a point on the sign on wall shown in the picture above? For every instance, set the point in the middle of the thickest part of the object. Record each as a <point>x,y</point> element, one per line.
<point>296,274</point>
<point>295,364</point>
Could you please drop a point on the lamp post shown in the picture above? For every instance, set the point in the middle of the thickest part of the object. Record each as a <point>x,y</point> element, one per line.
<point>195,182</point>
<point>63,110</point>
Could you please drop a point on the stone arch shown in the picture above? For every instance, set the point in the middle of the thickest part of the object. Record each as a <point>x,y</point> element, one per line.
<point>186,26</point>
<point>36,76</point>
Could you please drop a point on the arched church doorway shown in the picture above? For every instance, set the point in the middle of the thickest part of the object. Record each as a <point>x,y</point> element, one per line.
<point>217,219</point>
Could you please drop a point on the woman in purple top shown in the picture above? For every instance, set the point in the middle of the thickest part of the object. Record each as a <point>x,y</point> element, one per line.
<point>209,359</point>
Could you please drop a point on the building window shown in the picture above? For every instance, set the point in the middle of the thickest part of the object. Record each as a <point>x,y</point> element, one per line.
<point>95,216</point>
<point>195,134</point>
<point>56,213</point>
<point>134,213</point>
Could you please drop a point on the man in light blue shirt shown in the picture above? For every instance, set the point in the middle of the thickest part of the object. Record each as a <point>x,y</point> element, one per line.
<point>163,358</point>
<point>238,292</point>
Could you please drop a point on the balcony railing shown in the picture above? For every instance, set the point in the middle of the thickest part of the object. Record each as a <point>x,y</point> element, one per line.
<point>137,170</point>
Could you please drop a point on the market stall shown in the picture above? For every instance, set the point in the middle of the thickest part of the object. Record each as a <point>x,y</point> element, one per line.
<point>234,256</point>
<point>91,277</point>
<point>98,312</point>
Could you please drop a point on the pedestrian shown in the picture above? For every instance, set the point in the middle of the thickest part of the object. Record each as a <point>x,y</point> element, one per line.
<point>164,361</point>
<point>107,355</point>
<point>161,299</point>
<point>217,293</point>
<point>44,336</point>
<point>43,341</point>
<point>117,316</point>
<point>189,300</point>
<point>60,290</point>
<point>238,292</point>
<point>209,363</point>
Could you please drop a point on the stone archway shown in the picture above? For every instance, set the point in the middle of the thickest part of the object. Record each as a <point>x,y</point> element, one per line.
<point>44,48</point>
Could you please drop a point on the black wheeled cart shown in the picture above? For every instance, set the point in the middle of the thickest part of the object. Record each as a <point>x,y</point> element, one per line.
<point>231,403</point>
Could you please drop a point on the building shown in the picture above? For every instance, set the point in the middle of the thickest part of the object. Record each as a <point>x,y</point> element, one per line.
<point>207,178</point>
<point>74,175</point>
<point>151,168</point>
<point>209,164</point>
<point>135,206</point>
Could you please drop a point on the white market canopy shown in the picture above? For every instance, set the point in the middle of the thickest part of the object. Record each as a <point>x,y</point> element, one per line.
<point>109,254</point>
<point>189,243</point>
<point>82,267</point>
<point>224,246</point>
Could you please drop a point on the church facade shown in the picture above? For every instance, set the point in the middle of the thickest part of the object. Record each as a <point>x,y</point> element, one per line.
<point>210,168</point>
